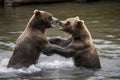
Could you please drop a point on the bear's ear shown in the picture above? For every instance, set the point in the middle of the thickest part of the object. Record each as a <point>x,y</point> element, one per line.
<point>36,12</point>
<point>77,17</point>
<point>82,21</point>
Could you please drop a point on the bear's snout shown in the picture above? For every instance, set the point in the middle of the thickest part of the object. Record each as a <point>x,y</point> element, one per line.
<point>56,20</point>
<point>60,23</point>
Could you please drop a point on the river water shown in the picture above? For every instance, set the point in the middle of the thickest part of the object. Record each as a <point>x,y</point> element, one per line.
<point>103,21</point>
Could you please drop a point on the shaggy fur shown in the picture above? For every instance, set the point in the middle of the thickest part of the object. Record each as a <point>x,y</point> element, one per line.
<point>79,46</point>
<point>32,41</point>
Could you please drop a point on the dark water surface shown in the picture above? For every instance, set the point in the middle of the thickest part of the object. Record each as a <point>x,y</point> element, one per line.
<point>102,20</point>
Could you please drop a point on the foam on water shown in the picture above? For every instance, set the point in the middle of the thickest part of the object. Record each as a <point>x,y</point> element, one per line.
<point>11,45</point>
<point>4,62</point>
<point>16,32</point>
<point>99,41</point>
<point>56,64</point>
<point>111,36</point>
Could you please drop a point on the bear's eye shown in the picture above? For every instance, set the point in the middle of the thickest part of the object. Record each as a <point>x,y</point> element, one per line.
<point>50,17</point>
<point>67,23</point>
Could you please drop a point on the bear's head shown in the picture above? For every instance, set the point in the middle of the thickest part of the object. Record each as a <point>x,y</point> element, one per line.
<point>42,20</point>
<point>75,27</point>
<point>70,25</point>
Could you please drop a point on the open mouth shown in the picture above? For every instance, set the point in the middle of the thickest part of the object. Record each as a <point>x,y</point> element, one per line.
<point>61,27</point>
<point>53,26</point>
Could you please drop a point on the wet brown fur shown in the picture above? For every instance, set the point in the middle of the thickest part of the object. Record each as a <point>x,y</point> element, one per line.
<point>85,54</point>
<point>32,41</point>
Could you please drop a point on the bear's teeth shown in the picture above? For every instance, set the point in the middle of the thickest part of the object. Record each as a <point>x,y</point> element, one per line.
<point>61,28</point>
<point>53,25</point>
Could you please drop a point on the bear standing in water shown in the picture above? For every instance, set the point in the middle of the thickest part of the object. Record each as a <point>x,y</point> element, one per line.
<point>80,46</point>
<point>32,41</point>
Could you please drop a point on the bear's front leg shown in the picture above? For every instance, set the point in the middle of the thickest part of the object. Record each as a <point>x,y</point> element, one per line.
<point>60,42</point>
<point>65,52</point>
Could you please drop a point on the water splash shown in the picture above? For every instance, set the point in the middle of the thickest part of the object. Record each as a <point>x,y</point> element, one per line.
<point>11,45</point>
<point>4,69</point>
<point>56,64</point>
<point>15,32</point>
<point>110,36</point>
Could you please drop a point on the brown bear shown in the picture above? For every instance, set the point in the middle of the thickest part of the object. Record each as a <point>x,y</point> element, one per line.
<point>32,41</point>
<point>80,46</point>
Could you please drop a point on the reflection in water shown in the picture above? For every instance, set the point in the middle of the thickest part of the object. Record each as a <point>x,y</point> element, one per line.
<point>102,20</point>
